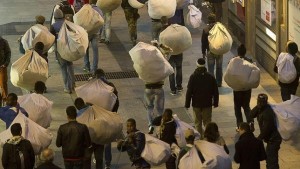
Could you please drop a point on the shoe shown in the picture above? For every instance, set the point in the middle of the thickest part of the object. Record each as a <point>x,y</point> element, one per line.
<point>179,89</point>
<point>107,42</point>
<point>67,91</point>
<point>87,70</point>
<point>107,167</point>
<point>151,129</point>
<point>173,93</point>
<point>94,160</point>
<point>102,41</point>
<point>237,129</point>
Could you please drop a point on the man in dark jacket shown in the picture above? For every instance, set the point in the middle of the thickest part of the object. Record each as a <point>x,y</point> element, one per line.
<point>202,89</point>
<point>268,129</point>
<point>5,55</point>
<point>17,151</point>
<point>47,157</point>
<point>249,151</point>
<point>74,138</point>
<point>134,144</point>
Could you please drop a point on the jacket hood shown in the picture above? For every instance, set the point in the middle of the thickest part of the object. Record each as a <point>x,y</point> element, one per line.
<point>15,140</point>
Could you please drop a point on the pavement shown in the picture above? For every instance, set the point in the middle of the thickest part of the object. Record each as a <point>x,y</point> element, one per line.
<point>17,16</point>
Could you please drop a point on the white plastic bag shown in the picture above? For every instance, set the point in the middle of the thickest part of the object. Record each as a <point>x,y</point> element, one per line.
<point>150,63</point>
<point>287,72</point>
<point>97,92</point>
<point>156,152</point>
<point>136,4</point>
<point>157,9</point>
<point>108,5</point>
<point>38,108</point>
<point>219,39</point>
<point>194,16</point>
<point>37,33</point>
<point>72,41</point>
<point>89,19</point>
<point>242,75</point>
<point>177,37</point>
<point>29,69</point>
<point>104,126</point>
<point>39,137</point>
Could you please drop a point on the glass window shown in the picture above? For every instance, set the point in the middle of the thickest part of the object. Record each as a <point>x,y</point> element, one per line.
<point>266,13</point>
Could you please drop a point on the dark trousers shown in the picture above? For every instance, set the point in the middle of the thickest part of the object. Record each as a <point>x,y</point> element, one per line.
<point>98,151</point>
<point>171,163</point>
<point>131,16</point>
<point>242,100</point>
<point>272,154</point>
<point>73,164</point>
<point>176,62</point>
<point>287,92</point>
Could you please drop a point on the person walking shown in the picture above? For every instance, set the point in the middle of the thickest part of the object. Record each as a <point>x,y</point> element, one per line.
<point>217,8</point>
<point>106,29</point>
<point>5,55</point>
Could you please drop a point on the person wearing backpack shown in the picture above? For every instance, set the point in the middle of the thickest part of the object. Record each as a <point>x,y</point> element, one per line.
<point>17,151</point>
<point>5,55</point>
<point>288,89</point>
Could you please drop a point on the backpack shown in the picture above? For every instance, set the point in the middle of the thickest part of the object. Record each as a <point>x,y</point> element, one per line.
<point>287,72</point>
<point>66,8</point>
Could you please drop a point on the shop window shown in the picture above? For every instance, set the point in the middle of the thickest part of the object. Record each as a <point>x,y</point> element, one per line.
<point>266,13</point>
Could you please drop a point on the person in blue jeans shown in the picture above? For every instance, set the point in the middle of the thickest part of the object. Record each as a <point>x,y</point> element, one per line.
<point>106,29</point>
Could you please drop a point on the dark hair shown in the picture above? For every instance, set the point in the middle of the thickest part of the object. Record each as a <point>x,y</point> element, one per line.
<point>16,129</point>
<point>39,87</point>
<point>211,18</point>
<point>79,103</point>
<point>39,46</point>
<point>262,97</point>
<point>245,126</point>
<point>292,48</point>
<point>241,50</point>
<point>71,112</point>
<point>13,96</point>
<point>131,120</point>
<point>168,112</point>
<point>211,132</point>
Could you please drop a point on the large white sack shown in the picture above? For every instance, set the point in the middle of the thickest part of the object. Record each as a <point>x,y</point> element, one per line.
<point>104,126</point>
<point>180,4</point>
<point>157,9</point>
<point>216,153</point>
<point>38,108</point>
<point>37,33</point>
<point>194,17</point>
<point>219,39</point>
<point>89,19</point>
<point>136,4</point>
<point>97,92</point>
<point>72,41</point>
<point>287,72</point>
<point>29,69</point>
<point>108,5</point>
<point>242,75</point>
<point>288,117</point>
<point>150,63</point>
<point>156,152</point>
<point>39,137</point>
<point>180,130</point>
<point>177,37</point>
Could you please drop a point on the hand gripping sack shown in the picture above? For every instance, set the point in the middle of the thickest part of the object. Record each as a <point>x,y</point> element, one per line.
<point>89,19</point>
<point>156,152</point>
<point>136,4</point>
<point>157,9</point>
<point>176,37</point>
<point>193,17</point>
<point>37,33</point>
<point>219,39</point>
<point>108,5</point>
<point>150,63</point>
<point>104,126</point>
<point>180,130</point>
<point>287,72</point>
<point>29,69</point>
<point>39,137</point>
<point>72,41</point>
<point>242,75</point>
<point>288,117</point>
<point>38,108</point>
<point>97,92</point>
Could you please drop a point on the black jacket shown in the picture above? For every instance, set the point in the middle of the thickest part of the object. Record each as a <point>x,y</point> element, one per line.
<point>202,89</point>
<point>5,52</point>
<point>267,123</point>
<point>249,151</point>
<point>168,130</point>
<point>204,38</point>
<point>74,138</point>
<point>48,165</point>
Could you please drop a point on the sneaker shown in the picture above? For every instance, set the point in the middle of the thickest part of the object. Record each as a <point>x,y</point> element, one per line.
<point>107,42</point>
<point>102,41</point>
<point>173,93</point>
<point>237,129</point>
<point>67,91</point>
<point>87,70</point>
<point>151,130</point>
<point>179,89</point>
<point>107,167</point>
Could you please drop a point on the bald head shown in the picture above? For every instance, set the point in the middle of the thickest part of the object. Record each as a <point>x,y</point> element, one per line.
<point>47,155</point>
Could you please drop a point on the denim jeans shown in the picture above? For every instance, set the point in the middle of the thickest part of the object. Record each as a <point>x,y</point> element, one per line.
<point>156,29</point>
<point>241,100</point>
<point>154,97</point>
<point>272,154</point>
<point>176,62</point>
<point>73,164</point>
<point>202,115</point>
<point>107,154</point>
<point>67,71</point>
<point>217,60</point>
<point>94,43</point>
<point>106,29</point>
<point>98,151</point>
<point>287,92</point>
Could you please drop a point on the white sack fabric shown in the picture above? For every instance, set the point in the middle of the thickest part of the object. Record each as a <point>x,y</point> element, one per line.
<point>157,9</point>
<point>216,153</point>
<point>288,117</point>
<point>72,41</point>
<point>287,72</point>
<point>219,39</point>
<point>156,152</point>
<point>177,37</point>
<point>242,75</point>
<point>108,5</point>
<point>39,137</point>
<point>194,17</point>
<point>38,108</point>
<point>97,92</point>
<point>180,4</point>
<point>180,130</point>
<point>29,69</point>
<point>104,126</point>
<point>150,63</point>
<point>37,33</point>
<point>89,19</point>
<point>135,4</point>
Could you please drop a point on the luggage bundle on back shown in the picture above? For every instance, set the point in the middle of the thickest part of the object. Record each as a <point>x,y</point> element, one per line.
<point>220,40</point>
<point>135,4</point>
<point>287,72</point>
<point>108,5</point>
<point>193,17</point>
<point>157,9</point>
